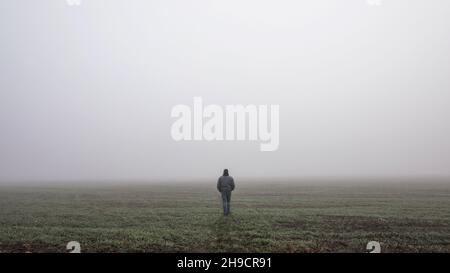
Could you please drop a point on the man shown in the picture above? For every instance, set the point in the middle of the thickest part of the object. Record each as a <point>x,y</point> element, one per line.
<point>225,185</point>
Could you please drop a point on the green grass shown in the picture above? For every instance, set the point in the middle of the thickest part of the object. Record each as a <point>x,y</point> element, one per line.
<point>278,217</point>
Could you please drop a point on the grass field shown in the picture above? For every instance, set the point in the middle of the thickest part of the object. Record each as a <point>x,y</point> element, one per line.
<point>273,217</point>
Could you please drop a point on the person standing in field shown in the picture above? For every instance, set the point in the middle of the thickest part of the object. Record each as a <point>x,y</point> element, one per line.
<point>225,185</point>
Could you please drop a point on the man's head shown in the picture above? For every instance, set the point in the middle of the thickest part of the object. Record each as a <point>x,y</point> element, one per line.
<point>225,172</point>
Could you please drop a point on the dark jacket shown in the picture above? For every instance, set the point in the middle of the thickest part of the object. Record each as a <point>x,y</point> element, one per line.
<point>225,183</point>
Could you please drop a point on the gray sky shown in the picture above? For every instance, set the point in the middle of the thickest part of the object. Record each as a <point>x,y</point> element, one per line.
<point>86,91</point>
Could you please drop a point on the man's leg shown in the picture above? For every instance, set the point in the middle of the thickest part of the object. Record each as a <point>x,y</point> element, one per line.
<point>224,202</point>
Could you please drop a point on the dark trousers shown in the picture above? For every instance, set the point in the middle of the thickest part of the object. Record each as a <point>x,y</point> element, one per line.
<point>226,199</point>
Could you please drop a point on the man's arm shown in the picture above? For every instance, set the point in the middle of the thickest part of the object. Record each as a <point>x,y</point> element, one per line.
<point>232,184</point>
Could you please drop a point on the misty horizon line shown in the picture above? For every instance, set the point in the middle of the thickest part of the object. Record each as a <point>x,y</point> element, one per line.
<point>243,180</point>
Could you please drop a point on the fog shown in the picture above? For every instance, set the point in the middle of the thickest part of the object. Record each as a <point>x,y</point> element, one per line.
<point>86,91</point>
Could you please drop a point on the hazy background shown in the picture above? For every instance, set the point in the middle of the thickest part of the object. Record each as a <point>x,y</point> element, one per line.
<point>86,91</point>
